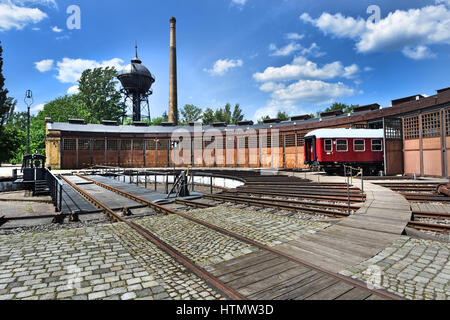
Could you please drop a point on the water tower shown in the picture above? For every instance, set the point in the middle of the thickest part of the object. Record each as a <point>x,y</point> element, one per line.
<point>136,81</point>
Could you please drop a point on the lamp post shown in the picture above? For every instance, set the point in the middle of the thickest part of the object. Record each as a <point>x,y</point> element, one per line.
<point>28,101</point>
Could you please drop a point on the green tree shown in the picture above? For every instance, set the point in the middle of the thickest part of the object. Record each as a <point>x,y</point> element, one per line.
<point>4,107</point>
<point>208,116</point>
<point>337,106</point>
<point>99,94</point>
<point>261,121</point>
<point>64,108</point>
<point>283,116</point>
<point>190,113</point>
<point>238,114</point>
<point>158,120</point>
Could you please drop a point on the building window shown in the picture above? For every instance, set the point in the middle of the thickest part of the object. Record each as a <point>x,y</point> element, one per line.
<point>99,145</point>
<point>70,144</point>
<point>266,141</point>
<point>125,145</point>
<point>411,127</point>
<point>328,145</point>
<point>447,121</point>
<point>163,144</point>
<point>341,145</point>
<point>301,139</point>
<point>138,144</point>
<point>111,145</point>
<point>393,129</point>
<point>83,144</point>
<point>290,140</point>
<point>150,145</point>
<point>359,145</point>
<point>377,145</point>
<point>431,125</point>
<point>253,141</point>
<point>230,143</point>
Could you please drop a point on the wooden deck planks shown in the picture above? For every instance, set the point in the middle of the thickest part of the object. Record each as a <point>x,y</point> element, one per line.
<point>332,292</point>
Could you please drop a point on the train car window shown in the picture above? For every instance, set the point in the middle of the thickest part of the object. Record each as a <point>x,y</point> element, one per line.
<point>341,145</point>
<point>328,145</point>
<point>150,145</point>
<point>359,145</point>
<point>377,145</point>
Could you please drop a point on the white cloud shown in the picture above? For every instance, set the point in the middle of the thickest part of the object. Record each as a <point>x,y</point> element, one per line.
<point>302,68</point>
<point>418,53</point>
<point>73,90</point>
<point>222,66</point>
<point>39,107</point>
<point>56,29</point>
<point>44,65</point>
<point>271,86</point>
<point>70,70</point>
<point>294,36</point>
<point>286,50</point>
<point>313,50</point>
<point>313,91</point>
<point>14,17</point>
<point>239,2</point>
<point>367,69</point>
<point>399,30</point>
<point>48,3</point>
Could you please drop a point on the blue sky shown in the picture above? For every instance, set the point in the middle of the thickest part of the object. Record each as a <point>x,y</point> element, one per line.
<point>267,55</point>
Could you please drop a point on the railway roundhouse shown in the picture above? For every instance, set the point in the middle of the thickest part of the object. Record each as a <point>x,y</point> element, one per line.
<point>416,131</point>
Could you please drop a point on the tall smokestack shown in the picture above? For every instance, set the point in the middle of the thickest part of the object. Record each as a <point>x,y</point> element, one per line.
<point>173,93</point>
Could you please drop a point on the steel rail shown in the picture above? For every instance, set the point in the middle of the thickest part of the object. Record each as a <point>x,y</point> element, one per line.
<point>303,196</point>
<point>272,204</point>
<point>175,254</point>
<point>424,197</point>
<point>294,202</point>
<point>306,191</point>
<point>255,243</point>
<point>194,204</point>
<point>431,215</point>
<point>429,226</point>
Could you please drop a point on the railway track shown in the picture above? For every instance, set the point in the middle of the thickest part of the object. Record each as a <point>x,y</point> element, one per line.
<point>441,228</point>
<point>325,276</point>
<point>280,204</point>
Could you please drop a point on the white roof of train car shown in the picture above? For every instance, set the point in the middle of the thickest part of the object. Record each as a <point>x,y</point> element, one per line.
<point>347,133</point>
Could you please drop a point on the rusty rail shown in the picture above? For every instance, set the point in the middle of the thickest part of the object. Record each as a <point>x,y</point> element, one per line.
<point>202,273</point>
<point>349,280</point>
<point>429,226</point>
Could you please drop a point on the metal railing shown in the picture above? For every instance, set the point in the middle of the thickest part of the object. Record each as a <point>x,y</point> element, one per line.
<point>349,181</point>
<point>57,191</point>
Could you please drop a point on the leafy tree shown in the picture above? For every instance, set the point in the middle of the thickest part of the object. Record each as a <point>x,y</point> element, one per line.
<point>4,107</point>
<point>238,114</point>
<point>283,116</point>
<point>64,108</point>
<point>8,111</point>
<point>190,113</point>
<point>157,121</point>
<point>337,106</point>
<point>11,139</point>
<point>99,94</point>
<point>208,116</point>
<point>261,121</point>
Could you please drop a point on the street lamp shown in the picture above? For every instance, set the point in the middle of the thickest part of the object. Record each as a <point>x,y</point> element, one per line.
<point>28,101</point>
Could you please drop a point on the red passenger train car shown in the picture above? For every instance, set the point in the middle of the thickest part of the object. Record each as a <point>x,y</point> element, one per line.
<point>331,149</point>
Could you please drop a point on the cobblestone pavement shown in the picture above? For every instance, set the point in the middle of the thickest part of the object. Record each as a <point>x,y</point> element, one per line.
<point>412,268</point>
<point>265,228</point>
<point>102,262</point>
<point>202,245</point>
